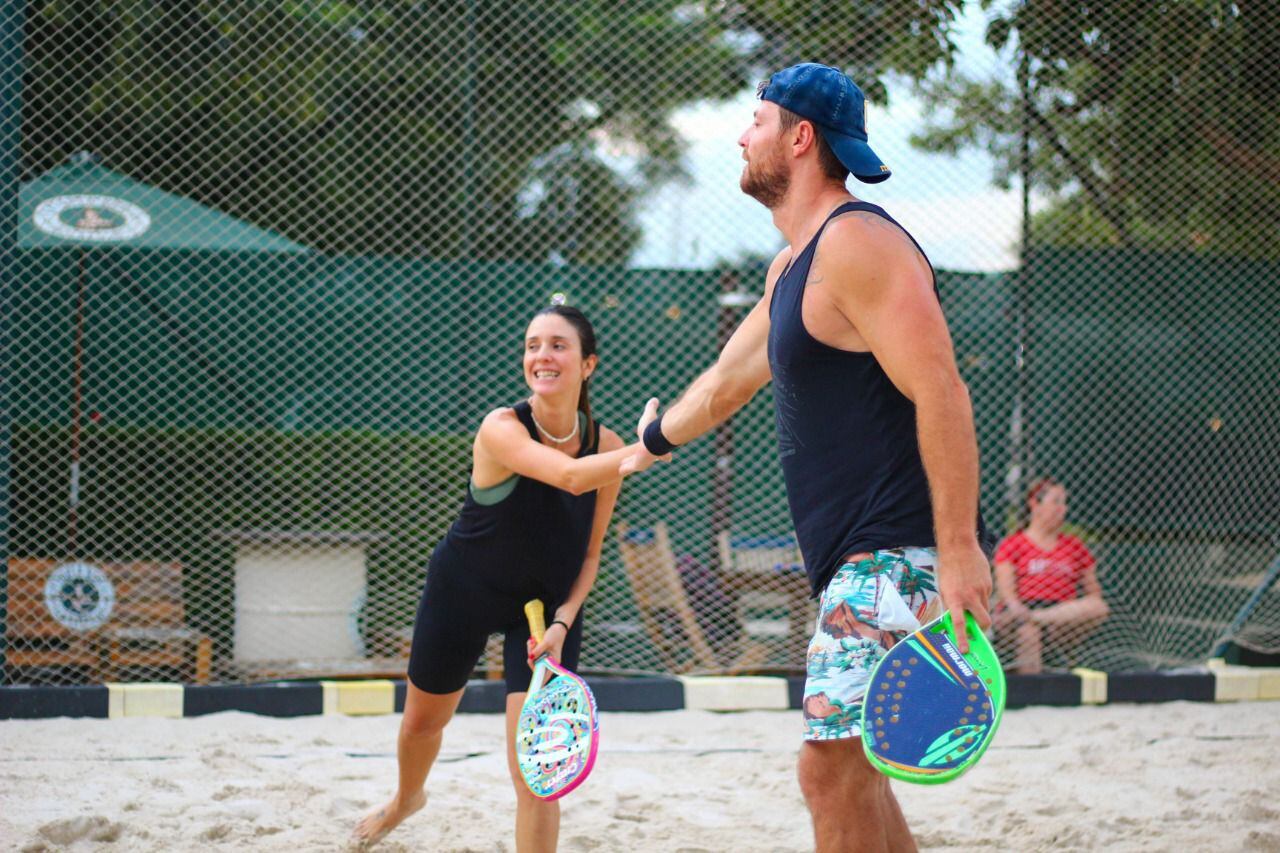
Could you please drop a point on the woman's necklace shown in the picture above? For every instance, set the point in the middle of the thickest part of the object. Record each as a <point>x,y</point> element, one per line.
<point>555,438</point>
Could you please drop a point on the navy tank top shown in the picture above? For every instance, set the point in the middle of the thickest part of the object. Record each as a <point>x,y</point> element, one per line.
<point>530,543</point>
<point>846,436</point>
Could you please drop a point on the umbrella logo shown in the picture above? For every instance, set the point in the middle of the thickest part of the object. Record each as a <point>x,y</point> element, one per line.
<point>91,217</point>
<point>79,595</point>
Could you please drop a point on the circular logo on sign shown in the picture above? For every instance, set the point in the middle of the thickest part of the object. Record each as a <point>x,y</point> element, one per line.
<point>79,596</point>
<point>91,217</point>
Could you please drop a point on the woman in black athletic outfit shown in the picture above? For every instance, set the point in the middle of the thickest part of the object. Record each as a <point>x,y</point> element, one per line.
<point>544,481</point>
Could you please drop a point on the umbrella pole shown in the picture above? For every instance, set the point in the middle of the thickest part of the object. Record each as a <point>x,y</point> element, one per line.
<point>73,497</point>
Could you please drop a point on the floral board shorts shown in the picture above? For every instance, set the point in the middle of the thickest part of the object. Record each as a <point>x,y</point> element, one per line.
<point>872,601</point>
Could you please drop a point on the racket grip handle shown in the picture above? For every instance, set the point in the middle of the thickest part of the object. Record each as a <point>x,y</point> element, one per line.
<point>537,620</point>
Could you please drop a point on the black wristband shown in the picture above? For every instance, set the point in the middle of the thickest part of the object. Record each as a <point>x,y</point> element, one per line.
<point>654,441</point>
<point>560,622</point>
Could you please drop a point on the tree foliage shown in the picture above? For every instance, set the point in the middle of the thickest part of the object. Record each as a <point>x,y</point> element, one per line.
<point>1149,124</point>
<point>398,127</point>
<point>478,128</point>
<point>865,39</point>
<point>439,128</point>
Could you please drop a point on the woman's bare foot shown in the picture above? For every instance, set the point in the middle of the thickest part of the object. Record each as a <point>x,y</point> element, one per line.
<point>374,826</point>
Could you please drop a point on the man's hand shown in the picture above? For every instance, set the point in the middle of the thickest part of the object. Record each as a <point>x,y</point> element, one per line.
<point>642,458</point>
<point>964,582</point>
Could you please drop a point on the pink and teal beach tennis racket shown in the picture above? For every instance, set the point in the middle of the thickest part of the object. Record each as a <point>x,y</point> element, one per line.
<point>931,712</point>
<point>558,733</point>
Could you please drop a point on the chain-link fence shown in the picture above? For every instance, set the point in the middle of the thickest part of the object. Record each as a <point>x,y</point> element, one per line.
<point>273,262</point>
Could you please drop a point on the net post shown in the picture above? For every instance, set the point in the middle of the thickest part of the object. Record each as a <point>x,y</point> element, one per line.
<point>1246,610</point>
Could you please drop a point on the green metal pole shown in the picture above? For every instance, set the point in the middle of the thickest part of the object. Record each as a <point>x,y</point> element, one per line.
<point>1020,461</point>
<point>10,177</point>
<point>468,141</point>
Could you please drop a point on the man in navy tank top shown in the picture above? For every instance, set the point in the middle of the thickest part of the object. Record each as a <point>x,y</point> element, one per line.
<point>875,429</point>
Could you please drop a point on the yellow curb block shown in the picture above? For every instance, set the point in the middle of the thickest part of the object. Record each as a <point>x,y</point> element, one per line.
<point>144,700</point>
<point>1093,686</point>
<point>1234,683</point>
<point>735,693</point>
<point>357,698</point>
<point>1269,683</point>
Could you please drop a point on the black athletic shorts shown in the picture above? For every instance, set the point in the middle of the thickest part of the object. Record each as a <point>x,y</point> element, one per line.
<point>455,618</point>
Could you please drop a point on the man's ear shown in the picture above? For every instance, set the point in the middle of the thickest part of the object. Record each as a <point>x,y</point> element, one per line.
<point>804,137</point>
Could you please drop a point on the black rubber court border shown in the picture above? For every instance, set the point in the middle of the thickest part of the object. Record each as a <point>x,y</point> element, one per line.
<point>613,693</point>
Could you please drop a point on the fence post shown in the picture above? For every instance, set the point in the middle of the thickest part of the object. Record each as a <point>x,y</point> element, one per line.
<point>722,476</point>
<point>1019,427</point>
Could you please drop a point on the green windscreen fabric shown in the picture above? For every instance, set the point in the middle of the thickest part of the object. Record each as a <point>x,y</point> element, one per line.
<point>1145,372</point>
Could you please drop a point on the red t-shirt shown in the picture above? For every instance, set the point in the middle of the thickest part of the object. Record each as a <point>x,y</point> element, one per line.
<point>1046,575</point>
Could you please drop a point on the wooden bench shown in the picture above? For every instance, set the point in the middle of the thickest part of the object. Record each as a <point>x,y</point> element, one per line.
<point>106,619</point>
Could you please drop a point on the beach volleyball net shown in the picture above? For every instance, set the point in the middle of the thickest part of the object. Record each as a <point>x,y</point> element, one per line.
<point>269,265</point>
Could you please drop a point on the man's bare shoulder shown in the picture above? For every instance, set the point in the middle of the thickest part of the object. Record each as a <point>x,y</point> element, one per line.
<point>869,231</point>
<point>776,266</point>
<point>861,240</point>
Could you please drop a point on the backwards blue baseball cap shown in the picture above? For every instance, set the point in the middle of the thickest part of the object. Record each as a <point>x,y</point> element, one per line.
<point>828,98</point>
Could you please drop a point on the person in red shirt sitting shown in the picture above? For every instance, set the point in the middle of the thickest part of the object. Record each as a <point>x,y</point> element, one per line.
<point>1046,580</point>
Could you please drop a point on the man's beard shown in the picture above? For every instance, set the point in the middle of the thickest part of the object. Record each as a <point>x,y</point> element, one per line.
<point>768,183</point>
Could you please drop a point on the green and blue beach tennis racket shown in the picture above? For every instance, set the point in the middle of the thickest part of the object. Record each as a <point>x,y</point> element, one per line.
<point>930,711</point>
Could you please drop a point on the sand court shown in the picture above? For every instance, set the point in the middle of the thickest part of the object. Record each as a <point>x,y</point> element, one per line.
<point>1174,776</point>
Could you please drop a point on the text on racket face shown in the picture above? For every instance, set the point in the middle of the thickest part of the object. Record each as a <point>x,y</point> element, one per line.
<point>956,657</point>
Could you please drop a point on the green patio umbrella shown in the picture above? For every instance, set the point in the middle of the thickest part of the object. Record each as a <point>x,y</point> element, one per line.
<point>83,206</point>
